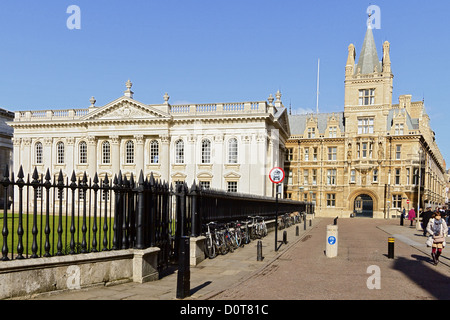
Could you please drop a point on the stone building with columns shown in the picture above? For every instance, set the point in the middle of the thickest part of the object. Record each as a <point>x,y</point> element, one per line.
<point>373,158</point>
<point>227,146</point>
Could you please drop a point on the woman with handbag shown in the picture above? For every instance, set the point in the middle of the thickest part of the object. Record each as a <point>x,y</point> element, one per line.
<point>438,230</point>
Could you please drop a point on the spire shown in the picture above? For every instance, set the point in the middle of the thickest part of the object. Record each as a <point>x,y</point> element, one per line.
<point>368,59</point>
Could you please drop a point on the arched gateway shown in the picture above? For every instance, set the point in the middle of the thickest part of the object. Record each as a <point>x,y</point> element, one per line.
<point>363,206</point>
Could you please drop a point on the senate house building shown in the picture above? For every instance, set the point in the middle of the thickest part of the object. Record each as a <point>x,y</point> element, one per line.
<point>226,146</point>
<point>372,158</point>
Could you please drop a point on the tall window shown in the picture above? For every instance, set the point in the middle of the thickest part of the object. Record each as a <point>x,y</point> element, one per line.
<point>106,152</point>
<point>331,177</point>
<point>206,151</point>
<point>154,151</point>
<point>408,176</point>
<point>232,151</point>
<point>289,154</point>
<point>332,153</point>
<point>398,152</point>
<point>314,177</point>
<point>179,151</point>
<point>353,176</point>
<point>129,148</point>
<point>396,201</point>
<point>375,175</point>
<point>314,154</point>
<point>366,97</point>
<point>305,177</point>
<point>331,200</point>
<point>306,154</point>
<point>60,153</point>
<point>82,150</point>
<point>38,152</point>
<point>365,125</point>
<point>332,132</point>
<point>397,176</point>
<point>364,150</point>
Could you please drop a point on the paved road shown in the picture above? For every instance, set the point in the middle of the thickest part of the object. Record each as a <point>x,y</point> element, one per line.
<point>300,269</point>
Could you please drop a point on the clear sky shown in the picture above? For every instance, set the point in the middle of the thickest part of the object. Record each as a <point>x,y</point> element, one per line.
<point>206,51</point>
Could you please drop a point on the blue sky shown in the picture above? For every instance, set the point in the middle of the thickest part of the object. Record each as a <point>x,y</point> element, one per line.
<point>205,51</point>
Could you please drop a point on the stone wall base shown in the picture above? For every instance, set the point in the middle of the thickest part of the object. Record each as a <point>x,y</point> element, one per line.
<point>19,278</point>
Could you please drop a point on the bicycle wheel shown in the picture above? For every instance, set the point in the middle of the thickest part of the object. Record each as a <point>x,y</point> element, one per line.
<point>229,243</point>
<point>264,229</point>
<point>223,249</point>
<point>239,238</point>
<point>210,248</point>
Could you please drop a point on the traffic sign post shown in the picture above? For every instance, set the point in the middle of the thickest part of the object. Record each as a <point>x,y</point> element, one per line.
<point>276,175</point>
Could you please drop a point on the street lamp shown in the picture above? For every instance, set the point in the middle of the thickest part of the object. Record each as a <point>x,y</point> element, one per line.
<point>418,190</point>
<point>300,189</point>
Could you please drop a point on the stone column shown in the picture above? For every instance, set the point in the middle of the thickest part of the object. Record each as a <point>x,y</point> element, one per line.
<point>71,156</point>
<point>48,154</point>
<point>164,157</point>
<point>139,159</point>
<point>16,154</point>
<point>92,156</point>
<point>115,154</point>
<point>26,160</point>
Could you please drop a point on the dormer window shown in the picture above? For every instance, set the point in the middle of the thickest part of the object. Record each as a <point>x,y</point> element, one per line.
<point>366,97</point>
<point>399,129</point>
<point>311,132</point>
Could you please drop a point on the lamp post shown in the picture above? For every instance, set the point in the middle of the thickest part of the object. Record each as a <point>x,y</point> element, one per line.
<point>300,194</point>
<point>418,190</point>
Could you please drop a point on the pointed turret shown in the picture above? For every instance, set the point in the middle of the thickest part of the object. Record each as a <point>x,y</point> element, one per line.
<point>368,59</point>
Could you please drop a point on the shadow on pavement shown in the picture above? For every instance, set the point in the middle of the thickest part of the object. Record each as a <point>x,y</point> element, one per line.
<point>421,270</point>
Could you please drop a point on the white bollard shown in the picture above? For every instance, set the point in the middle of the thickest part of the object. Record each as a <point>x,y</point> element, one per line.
<point>332,241</point>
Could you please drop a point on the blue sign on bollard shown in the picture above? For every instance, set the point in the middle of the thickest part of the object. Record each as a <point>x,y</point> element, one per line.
<point>331,240</point>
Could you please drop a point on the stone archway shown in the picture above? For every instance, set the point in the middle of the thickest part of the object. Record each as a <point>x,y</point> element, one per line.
<point>369,202</point>
<point>363,206</point>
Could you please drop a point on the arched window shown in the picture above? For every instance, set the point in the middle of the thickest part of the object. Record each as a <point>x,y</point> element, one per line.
<point>82,149</point>
<point>106,152</point>
<point>129,152</point>
<point>206,151</point>
<point>232,151</point>
<point>60,152</point>
<point>154,151</point>
<point>38,152</point>
<point>179,151</point>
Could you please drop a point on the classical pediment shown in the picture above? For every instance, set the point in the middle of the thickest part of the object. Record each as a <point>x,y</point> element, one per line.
<point>125,108</point>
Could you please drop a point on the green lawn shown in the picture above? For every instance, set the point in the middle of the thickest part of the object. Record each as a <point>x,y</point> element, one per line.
<point>66,222</point>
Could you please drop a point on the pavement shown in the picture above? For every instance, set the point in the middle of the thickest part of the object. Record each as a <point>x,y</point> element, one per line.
<point>301,270</point>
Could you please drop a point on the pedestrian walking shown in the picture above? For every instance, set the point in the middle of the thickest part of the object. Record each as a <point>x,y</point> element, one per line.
<point>438,230</point>
<point>426,216</point>
<point>411,215</point>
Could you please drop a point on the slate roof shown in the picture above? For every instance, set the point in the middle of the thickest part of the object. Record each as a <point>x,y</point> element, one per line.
<point>297,122</point>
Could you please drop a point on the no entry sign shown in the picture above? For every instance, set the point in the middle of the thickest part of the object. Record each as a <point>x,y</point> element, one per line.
<point>276,175</point>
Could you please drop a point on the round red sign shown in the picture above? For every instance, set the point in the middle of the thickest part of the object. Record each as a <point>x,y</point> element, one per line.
<point>276,175</point>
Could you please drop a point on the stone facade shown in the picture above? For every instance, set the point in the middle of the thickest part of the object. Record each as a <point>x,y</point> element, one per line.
<point>365,160</point>
<point>227,146</point>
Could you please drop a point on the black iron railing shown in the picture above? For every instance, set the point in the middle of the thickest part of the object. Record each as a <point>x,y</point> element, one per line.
<point>50,216</point>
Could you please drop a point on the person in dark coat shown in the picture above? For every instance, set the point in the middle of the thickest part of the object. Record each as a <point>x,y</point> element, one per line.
<point>426,216</point>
